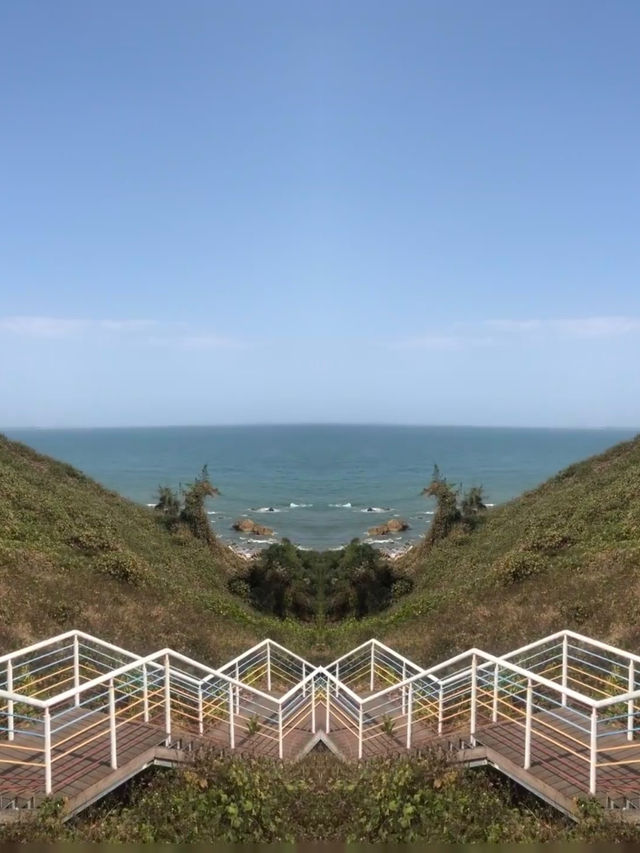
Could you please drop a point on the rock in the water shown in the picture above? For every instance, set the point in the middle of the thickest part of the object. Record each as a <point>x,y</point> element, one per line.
<point>394,525</point>
<point>247,525</point>
<point>397,525</point>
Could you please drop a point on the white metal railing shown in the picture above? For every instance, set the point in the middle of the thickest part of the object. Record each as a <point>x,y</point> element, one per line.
<point>565,696</point>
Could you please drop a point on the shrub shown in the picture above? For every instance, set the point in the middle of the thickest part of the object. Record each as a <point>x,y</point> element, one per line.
<point>92,541</point>
<point>122,566</point>
<point>517,566</point>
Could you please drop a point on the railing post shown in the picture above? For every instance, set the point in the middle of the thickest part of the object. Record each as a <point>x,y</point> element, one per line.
<point>593,751</point>
<point>280,745</point>
<point>474,700</point>
<point>494,707</point>
<point>232,731</point>
<point>409,712</point>
<point>373,667</point>
<point>440,708</point>
<point>145,693</point>
<point>328,717</point>
<point>238,688</point>
<point>313,705</point>
<point>304,683</point>
<point>527,727</point>
<point>565,668</point>
<point>337,677</point>
<point>10,721</point>
<point>76,668</point>
<point>404,688</point>
<point>360,726</point>
<point>47,752</point>
<point>167,700</point>
<point>631,686</point>
<point>268,667</point>
<point>200,711</point>
<point>112,724</point>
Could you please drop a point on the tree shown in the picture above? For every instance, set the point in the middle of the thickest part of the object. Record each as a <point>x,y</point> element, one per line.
<point>194,514</point>
<point>472,506</point>
<point>168,505</point>
<point>190,511</point>
<point>448,512</point>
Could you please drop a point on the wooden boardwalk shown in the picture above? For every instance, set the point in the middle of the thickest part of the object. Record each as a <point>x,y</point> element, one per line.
<point>80,717</point>
<point>83,772</point>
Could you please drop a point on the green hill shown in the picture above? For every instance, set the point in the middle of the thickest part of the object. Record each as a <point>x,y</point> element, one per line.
<point>566,554</point>
<point>73,554</point>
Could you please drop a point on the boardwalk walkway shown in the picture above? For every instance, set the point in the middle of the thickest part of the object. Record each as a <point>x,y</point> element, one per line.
<point>79,716</point>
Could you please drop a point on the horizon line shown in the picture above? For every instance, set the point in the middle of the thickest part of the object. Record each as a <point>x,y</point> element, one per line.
<point>262,424</point>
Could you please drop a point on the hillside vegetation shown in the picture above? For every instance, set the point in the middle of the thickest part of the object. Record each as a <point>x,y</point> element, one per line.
<point>74,555</point>
<point>243,800</point>
<point>566,554</point>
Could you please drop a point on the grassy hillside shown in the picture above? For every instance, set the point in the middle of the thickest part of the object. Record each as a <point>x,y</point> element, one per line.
<point>73,554</point>
<point>566,554</point>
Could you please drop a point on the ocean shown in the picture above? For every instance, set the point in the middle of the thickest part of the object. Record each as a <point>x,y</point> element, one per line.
<point>320,486</point>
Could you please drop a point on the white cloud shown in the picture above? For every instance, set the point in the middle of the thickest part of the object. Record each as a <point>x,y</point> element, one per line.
<point>42,327</point>
<point>146,332</point>
<point>127,325</point>
<point>574,327</point>
<point>443,341</point>
<point>494,332</point>
<point>195,341</point>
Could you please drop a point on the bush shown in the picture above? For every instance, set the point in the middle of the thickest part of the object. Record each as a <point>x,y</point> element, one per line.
<point>517,566</point>
<point>92,541</point>
<point>122,566</point>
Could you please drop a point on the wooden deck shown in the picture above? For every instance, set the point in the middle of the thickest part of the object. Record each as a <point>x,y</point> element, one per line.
<point>82,772</point>
<point>278,720</point>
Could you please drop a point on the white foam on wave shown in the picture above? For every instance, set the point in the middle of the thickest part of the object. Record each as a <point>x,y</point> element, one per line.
<point>150,504</point>
<point>261,541</point>
<point>369,541</point>
<point>377,509</point>
<point>265,509</point>
<point>489,504</point>
<point>298,506</point>
<point>342,506</point>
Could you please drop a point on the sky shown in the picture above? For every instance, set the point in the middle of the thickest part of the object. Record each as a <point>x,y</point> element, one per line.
<point>276,212</point>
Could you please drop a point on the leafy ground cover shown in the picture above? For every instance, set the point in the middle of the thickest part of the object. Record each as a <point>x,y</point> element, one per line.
<point>320,799</point>
<point>566,554</point>
<point>75,555</point>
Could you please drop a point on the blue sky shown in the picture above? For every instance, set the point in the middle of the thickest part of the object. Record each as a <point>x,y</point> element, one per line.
<point>410,212</point>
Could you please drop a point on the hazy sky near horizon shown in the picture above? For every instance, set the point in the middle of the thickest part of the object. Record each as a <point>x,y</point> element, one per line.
<point>405,212</point>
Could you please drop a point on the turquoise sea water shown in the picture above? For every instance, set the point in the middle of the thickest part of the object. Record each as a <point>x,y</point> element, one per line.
<point>325,484</point>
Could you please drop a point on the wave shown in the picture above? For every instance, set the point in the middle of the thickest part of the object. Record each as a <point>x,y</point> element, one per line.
<point>151,504</point>
<point>261,541</point>
<point>369,541</point>
<point>265,509</point>
<point>377,509</point>
<point>489,504</point>
<point>342,506</point>
<point>298,506</point>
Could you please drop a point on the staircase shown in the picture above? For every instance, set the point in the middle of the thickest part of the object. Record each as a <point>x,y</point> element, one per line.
<point>79,716</point>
